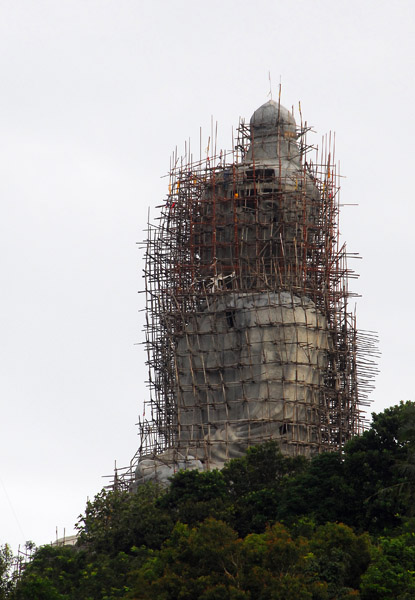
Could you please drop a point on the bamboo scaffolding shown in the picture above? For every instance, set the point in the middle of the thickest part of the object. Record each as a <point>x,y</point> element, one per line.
<point>214,241</point>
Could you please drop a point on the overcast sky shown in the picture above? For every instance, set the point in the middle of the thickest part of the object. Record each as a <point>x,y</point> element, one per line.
<point>95,94</point>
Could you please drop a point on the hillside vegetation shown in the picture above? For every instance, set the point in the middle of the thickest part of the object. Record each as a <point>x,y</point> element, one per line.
<point>266,527</point>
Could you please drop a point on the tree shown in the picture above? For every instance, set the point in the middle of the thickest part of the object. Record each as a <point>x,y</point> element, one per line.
<point>193,497</point>
<point>210,562</point>
<point>263,466</point>
<point>255,485</point>
<point>218,535</point>
<point>52,574</point>
<point>7,576</point>
<point>391,575</point>
<point>320,491</point>
<point>340,557</point>
<point>116,521</point>
<point>199,562</point>
<point>372,474</point>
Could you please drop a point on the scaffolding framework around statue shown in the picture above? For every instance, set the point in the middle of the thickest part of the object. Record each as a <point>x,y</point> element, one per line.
<point>214,241</point>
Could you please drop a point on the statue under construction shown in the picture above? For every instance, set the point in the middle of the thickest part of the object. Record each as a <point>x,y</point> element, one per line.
<point>249,336</point>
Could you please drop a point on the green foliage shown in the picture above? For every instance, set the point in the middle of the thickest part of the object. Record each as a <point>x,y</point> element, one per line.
<point>256,483</point>
<point>341,557</point>
<point>51,575</point>
<point>116,521</point>
<point>372,473</point>
<point>266,527</point>
<point>193,497</point>
<point>6,571</point>
<point>262,467</point>
<point>69,573</point>
<point>209,561</point>
<point>320,492</point>
<point>391,574</point>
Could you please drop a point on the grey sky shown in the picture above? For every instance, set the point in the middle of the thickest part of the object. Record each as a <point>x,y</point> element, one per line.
<point>95,96</point>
